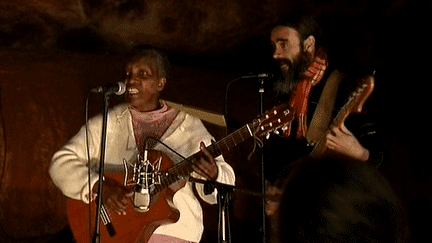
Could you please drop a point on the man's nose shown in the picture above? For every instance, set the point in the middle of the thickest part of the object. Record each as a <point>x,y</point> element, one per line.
<point>276,54</point>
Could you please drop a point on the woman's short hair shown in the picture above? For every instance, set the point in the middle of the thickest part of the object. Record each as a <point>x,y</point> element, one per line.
<point>143,50</point>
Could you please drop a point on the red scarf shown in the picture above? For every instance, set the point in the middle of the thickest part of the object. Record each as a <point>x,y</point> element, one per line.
<point>300,94</point>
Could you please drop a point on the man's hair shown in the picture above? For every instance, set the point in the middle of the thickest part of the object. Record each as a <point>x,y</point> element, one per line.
<point>305,24</point>
<point>339,200</point>
<point>164,66</point>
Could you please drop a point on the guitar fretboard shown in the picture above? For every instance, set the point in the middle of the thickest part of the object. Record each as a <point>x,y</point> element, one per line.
<point>184,168</point>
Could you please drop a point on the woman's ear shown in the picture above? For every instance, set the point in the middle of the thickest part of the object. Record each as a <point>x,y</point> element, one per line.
<point>161,85</point>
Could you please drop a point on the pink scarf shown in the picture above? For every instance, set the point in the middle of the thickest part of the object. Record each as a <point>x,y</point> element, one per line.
<point>151,124</point>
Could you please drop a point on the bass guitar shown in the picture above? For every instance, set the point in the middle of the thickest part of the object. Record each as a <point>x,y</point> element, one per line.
<point>159,179</point>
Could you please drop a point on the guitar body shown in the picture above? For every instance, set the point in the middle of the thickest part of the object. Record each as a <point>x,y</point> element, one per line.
<point>134,226</point>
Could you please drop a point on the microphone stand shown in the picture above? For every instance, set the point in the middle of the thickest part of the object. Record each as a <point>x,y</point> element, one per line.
<point>261,109</point>
<point>224,196</point>
<point>96,236</point>
<point>263,189</point>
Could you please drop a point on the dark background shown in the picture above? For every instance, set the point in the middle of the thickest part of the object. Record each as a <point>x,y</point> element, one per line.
<point>53,52</point>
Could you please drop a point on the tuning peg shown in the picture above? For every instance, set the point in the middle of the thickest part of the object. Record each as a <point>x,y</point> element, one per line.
<point>267,136</point>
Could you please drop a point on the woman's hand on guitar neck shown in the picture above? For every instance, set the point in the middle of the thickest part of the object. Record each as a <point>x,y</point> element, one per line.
<point>206,166</point>
<point>115,196</point>
<point>341,140</point>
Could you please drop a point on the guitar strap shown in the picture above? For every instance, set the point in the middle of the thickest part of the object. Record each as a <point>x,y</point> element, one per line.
<point>322,115</point>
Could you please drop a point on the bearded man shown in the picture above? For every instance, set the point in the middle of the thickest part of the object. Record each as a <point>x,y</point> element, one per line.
<point>316,92</point>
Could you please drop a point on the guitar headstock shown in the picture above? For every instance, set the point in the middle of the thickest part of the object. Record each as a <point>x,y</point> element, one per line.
<point>362,93</point>
<point>278,118</point>
<point>356,100</point>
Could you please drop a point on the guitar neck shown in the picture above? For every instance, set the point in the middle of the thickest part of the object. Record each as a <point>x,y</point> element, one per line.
<point>354,104</point>
<point>342,115</point>
<point>232,140</point>
<point>184,168</point>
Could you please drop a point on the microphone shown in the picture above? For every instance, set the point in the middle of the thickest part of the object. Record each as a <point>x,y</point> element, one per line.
<point>144,174</point>
<point>260,75</point>
<point>118,88</point>
<point>141,199</point>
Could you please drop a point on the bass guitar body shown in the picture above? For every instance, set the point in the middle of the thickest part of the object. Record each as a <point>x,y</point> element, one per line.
<point>132,227</point>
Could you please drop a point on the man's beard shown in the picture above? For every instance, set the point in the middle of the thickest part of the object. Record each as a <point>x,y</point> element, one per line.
<point>285,84</point>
